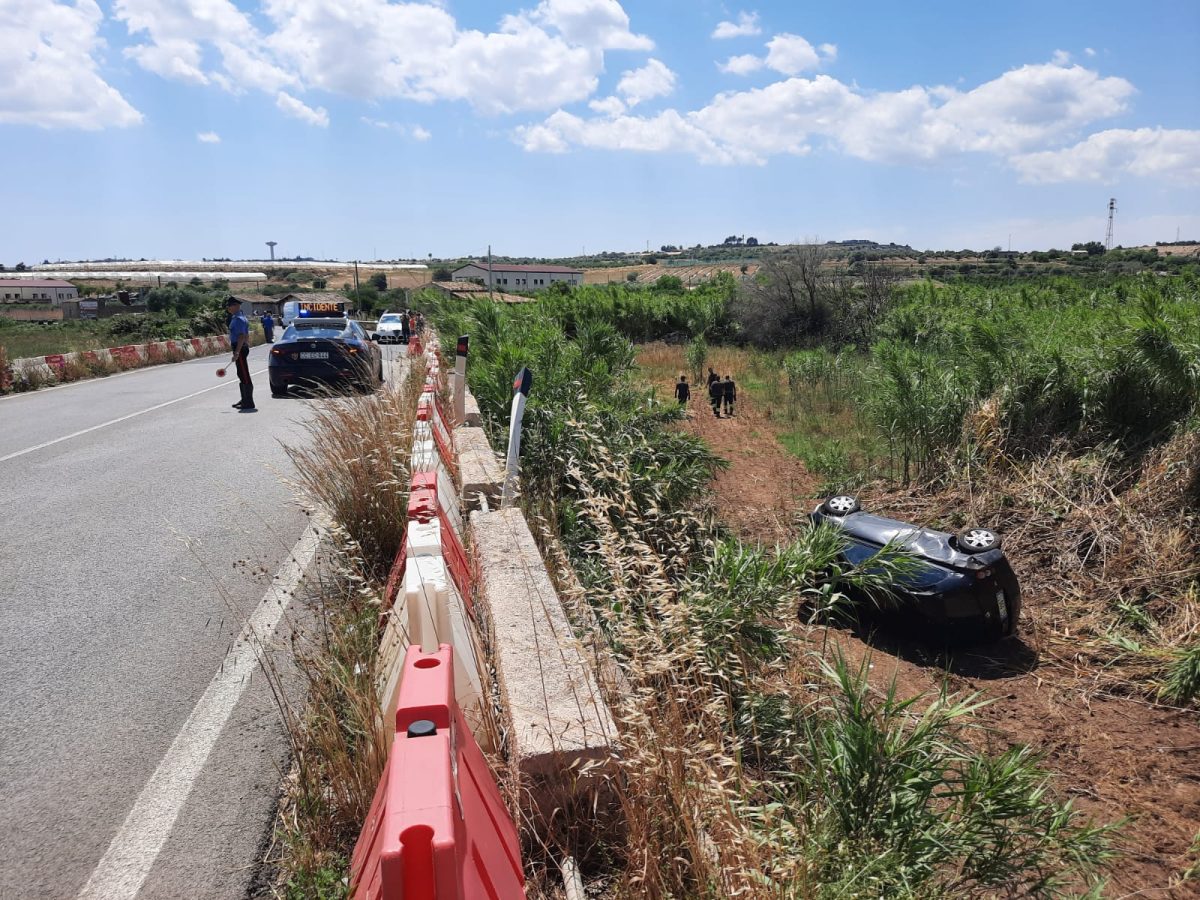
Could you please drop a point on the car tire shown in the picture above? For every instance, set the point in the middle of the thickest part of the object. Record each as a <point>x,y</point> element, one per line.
<point>278,392</point>
<point>977,540</point>
<point>841,505</point>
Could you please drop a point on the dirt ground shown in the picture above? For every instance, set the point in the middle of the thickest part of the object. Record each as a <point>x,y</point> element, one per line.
<point>1115,757</point>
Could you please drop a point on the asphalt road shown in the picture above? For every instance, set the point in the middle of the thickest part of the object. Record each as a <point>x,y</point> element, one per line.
<point>142,521</point>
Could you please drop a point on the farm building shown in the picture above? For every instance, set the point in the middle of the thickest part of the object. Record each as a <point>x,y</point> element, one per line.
<point>525,278</point>
<point>36,290</point>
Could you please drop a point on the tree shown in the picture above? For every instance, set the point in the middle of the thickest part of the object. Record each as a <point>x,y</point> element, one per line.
<point>751,242</point>
<point>319,283</point>
<point>1093,248</point>
<point>378,281</point>
<point>669,283</point>
<point>21,267</point>
<point>789,298</point>
<point>441,273</point>
<point>631,276</point>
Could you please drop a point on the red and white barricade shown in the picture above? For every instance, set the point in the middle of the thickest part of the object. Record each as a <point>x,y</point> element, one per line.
<point>437,828</point>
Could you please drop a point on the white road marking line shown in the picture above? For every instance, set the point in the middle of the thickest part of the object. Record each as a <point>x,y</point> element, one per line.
<point>114,421</point>
<point>124,867</point>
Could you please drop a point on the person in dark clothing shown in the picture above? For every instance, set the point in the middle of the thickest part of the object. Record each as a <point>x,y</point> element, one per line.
<point>404,329</point>
<point>683,391</point>
<point>712,376</point>
<point>239,340</point>
<point>715,393</point>
<point>729,393</point>
<point>268,324</point>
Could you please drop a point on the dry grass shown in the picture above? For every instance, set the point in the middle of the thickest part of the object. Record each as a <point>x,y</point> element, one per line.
<point>355,470</point>
<point>355,467</point>
<point>1108,552</point>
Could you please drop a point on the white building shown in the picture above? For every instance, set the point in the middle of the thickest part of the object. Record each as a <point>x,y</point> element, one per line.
<point>36,290</point>
<point>519,278</point>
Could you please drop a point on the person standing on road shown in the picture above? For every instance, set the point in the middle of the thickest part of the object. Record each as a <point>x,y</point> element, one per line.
<point>729,393</point>
<point>715,393</point>
<point>404,329</point>
<point>239,340</point>
<point>268,324</point>
<point>683,391</point>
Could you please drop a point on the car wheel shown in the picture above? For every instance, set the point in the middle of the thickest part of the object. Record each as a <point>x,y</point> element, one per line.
<point>278,391</point>
<point>841,505</point>
<point>977,540</point>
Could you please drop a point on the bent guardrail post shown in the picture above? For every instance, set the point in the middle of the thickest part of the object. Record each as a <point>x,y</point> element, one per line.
<point>521,385</point>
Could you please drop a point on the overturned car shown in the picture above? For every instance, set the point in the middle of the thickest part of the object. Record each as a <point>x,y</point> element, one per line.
<point>960,589</point>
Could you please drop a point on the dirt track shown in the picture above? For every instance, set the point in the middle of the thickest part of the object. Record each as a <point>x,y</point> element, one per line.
<point>1116,757</point>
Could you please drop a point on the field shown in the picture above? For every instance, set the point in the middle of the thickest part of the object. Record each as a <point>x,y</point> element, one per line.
<point>26,339</point>
<point>1060,413</point>
<point>690,275</point>
<point>1118,755</point>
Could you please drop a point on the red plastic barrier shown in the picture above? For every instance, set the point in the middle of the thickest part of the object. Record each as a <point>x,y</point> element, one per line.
<point>425,485</point>
<point>127,355</point>
<point>395,575</point>
<point>56,361</point>
<point>437,828</point>
<point>198,346</point>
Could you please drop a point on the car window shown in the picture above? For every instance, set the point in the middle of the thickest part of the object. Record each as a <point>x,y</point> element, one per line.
<point>308,330</point>
<point>389,318</point>
<point>356,329</point>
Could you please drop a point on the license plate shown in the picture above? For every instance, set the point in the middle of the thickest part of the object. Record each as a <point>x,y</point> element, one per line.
<point>306,354</point>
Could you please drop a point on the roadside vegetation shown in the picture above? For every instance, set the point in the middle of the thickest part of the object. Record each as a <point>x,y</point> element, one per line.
<point>354,474</point>
<point>756,760</point>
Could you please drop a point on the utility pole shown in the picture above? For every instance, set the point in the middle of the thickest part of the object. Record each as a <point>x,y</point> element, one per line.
<point>357,299</point>
<point>1108,236</point>
<point>490,297</point>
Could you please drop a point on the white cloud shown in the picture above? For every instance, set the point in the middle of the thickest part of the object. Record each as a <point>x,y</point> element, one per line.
<point>652,80</point>
<point>538,59</point>
<point>1088,51</point>
<point>48,69</point>
<point>609,106</point>
<point>828,52</point>
<point>175,33</point>
<point>208,137</point>
<point>741,65</point>
<point>415,132</point>
<point>297,109</point>
<point>1171,155</point>
<point>791,54</point>
<point>1060,57</point>
<point>745,26</point>
<point>1022,111</point>
<point>603,24</point>
<point>666,132</point>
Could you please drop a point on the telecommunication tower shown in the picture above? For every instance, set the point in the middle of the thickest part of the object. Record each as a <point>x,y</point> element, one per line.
<point>1108,235</point>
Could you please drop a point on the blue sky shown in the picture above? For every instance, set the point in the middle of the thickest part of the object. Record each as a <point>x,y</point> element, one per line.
<point>362,128</point>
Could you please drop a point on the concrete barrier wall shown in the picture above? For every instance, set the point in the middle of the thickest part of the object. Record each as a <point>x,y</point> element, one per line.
<point>81,364</point>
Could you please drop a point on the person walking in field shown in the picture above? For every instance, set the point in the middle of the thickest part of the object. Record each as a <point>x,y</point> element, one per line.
<point>712,376</point>
<point>683,391</point>
<point>729,394</point>
<point>715,393</point>
<point>239,340</point>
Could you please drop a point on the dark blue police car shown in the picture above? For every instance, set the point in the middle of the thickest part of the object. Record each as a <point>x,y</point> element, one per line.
<point>315,352</point>
<point>961,588</point>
